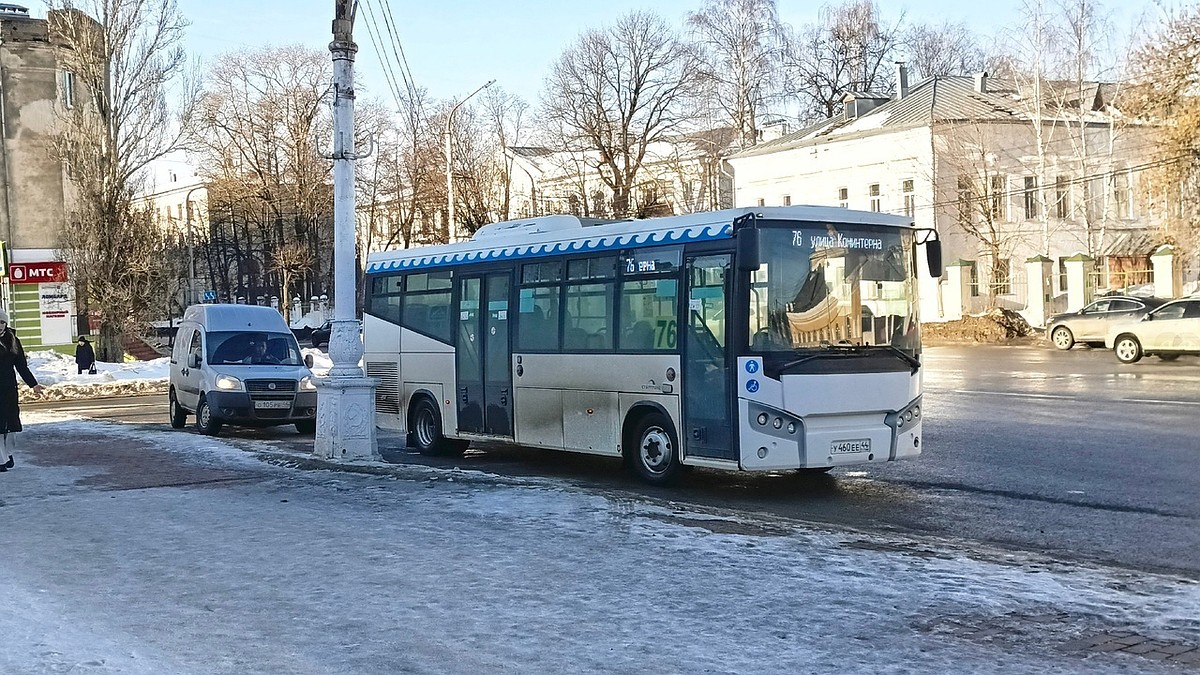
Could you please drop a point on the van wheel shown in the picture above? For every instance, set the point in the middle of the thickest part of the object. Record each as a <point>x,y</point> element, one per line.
<point>654,452</point>
<point>206,422</point>
<point>425,431</point>
<point>178,414</point>
<point>307,427</point>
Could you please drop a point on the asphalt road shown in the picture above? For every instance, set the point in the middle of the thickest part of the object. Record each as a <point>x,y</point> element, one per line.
<point>1070,454</point>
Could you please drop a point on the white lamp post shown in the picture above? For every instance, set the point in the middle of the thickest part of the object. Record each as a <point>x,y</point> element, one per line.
<point>345,398</point>
<point>451,228</point>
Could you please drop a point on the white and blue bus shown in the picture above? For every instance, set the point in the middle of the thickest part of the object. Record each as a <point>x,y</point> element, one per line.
<point>759,339</point>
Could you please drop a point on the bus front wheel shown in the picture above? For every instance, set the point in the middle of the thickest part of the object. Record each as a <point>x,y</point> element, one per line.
<point>654,451</point>
<point>425,431</point>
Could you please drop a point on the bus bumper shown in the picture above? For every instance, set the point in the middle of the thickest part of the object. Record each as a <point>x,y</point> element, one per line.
<point>772,440</point>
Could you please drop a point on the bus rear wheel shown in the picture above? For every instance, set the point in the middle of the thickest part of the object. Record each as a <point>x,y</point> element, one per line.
<point>425,431</point>
<point>654,451</point>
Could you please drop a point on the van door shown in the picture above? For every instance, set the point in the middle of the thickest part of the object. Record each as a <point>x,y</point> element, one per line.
<point>187,388</point>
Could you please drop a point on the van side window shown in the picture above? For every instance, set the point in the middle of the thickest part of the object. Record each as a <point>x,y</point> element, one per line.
<point>194,347</point>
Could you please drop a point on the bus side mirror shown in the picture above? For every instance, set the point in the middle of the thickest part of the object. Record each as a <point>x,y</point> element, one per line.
<point>933,256</point>
<point>747,250</point>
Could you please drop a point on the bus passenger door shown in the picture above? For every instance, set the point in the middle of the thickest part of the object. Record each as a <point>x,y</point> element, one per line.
<point>707,416</point>
<point>483,355</point>
<point>468,356</point>
<point>497,357</point>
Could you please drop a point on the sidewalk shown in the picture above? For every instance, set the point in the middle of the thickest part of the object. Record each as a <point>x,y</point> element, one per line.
<point>133,551</point>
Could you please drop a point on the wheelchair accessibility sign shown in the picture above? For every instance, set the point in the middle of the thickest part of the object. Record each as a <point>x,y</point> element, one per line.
<point>751,385</point>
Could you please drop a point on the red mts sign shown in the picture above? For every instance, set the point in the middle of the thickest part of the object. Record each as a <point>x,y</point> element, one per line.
<point>37,273</point>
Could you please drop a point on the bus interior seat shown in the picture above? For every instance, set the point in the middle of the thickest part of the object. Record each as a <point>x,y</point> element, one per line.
<point>640,336</point>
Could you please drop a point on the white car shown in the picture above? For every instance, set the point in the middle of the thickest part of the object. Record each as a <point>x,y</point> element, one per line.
<point>1166,332</point>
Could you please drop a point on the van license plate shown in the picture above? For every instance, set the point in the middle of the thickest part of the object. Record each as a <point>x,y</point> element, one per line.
<point>843,447</point>
<point>272,405</point>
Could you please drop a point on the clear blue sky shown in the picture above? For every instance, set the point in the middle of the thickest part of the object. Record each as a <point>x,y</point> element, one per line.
<point>453,46</point>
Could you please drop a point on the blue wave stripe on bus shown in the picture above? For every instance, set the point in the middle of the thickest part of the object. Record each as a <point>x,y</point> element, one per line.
<point>604,243</point>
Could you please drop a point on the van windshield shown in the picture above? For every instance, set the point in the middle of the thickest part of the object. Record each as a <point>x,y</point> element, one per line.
<point>253,348</point>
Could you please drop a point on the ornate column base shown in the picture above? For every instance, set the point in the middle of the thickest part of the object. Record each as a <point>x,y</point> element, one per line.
<point>346,419</point>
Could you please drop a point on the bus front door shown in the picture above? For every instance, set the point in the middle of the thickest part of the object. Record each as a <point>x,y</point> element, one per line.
<point>483,355</point>
<point>707,415</point>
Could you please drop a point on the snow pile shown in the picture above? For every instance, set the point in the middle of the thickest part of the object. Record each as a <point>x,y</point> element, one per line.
<point>58,373</point>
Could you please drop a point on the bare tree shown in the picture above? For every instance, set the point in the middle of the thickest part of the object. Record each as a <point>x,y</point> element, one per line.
<point>849,49</point>
<point>1166,72</point>
<point>506,115</point>
<point>739,44</point>
<point>124,64</point>
<point>968,153</point>
<point>260,132</point>
<point>944,49</point>
<point>618,90</point>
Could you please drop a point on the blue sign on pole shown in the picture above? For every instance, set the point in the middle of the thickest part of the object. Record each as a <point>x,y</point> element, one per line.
<point>210,296</point>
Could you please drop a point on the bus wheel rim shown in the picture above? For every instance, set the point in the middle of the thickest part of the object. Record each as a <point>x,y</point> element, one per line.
<point>655,449</point>
<point>425,428</point>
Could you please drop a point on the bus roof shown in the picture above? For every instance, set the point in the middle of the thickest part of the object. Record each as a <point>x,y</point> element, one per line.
<point>546,235</point>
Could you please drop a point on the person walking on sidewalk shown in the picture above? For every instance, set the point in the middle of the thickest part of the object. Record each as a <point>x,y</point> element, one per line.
<point>12,363</point>
<point>85,357</point>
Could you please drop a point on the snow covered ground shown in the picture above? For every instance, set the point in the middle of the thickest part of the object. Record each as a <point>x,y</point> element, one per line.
<point>257,566</point>
<point>58,373</point>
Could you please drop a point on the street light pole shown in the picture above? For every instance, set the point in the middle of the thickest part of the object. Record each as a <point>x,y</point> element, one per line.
<point>451,229</point>
<point>345,397</point>
<point>187,206</point>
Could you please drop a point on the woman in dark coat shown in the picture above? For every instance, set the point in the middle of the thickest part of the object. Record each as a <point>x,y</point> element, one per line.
<point>12,362</point>
<point>85,356</point>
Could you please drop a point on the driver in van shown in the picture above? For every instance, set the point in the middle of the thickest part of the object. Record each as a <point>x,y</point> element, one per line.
<point>259,354</point>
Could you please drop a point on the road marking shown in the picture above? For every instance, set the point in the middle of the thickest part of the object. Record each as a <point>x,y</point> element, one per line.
<point>1062,397</point>
<point>1016,394</point>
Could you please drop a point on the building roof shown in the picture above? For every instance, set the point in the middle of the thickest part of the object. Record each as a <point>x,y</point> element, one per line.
<point>941,99</point>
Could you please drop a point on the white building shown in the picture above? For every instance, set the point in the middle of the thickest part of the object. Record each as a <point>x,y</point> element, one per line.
<point>1001,176</point>
<point>686,174</point>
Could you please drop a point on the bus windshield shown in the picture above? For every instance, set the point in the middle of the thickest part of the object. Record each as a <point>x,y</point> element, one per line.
<point>822,285</point>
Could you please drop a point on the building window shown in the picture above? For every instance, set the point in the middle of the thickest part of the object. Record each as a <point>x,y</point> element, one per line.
<point>1030,195</point>
<point>1121,196</point>
<point>974,276</point>
<point>1062,198</point>
<point>1001,277</point>
<point>67,83</point>
<point>998,198</point>
<point>1062,274</point>
<point>910,199</point>
<point>876,202</point>
<point>762,202</point>
<point>787,200</point>
<point>844,197</point>
<point>965,200</point>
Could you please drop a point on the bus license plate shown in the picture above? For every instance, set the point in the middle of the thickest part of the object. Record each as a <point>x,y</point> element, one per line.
<point>842,447</point>
<point>272,405</point>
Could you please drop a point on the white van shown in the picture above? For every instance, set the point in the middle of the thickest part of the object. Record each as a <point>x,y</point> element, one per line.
<point>240,365</point>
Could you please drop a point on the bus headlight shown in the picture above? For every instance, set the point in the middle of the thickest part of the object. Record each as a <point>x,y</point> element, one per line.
<point>228,383</point>
<point>762,419</point>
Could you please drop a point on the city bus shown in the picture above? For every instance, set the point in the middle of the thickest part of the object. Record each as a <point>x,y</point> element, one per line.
<point>763,339</point>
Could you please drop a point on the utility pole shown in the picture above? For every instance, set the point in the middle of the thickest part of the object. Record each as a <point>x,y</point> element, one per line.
<point>345,397</point>
<point>451,227</point>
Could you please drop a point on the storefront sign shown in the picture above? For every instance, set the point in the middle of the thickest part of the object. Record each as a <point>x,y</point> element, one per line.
<point>37,273</point>
<point>54,303</point>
